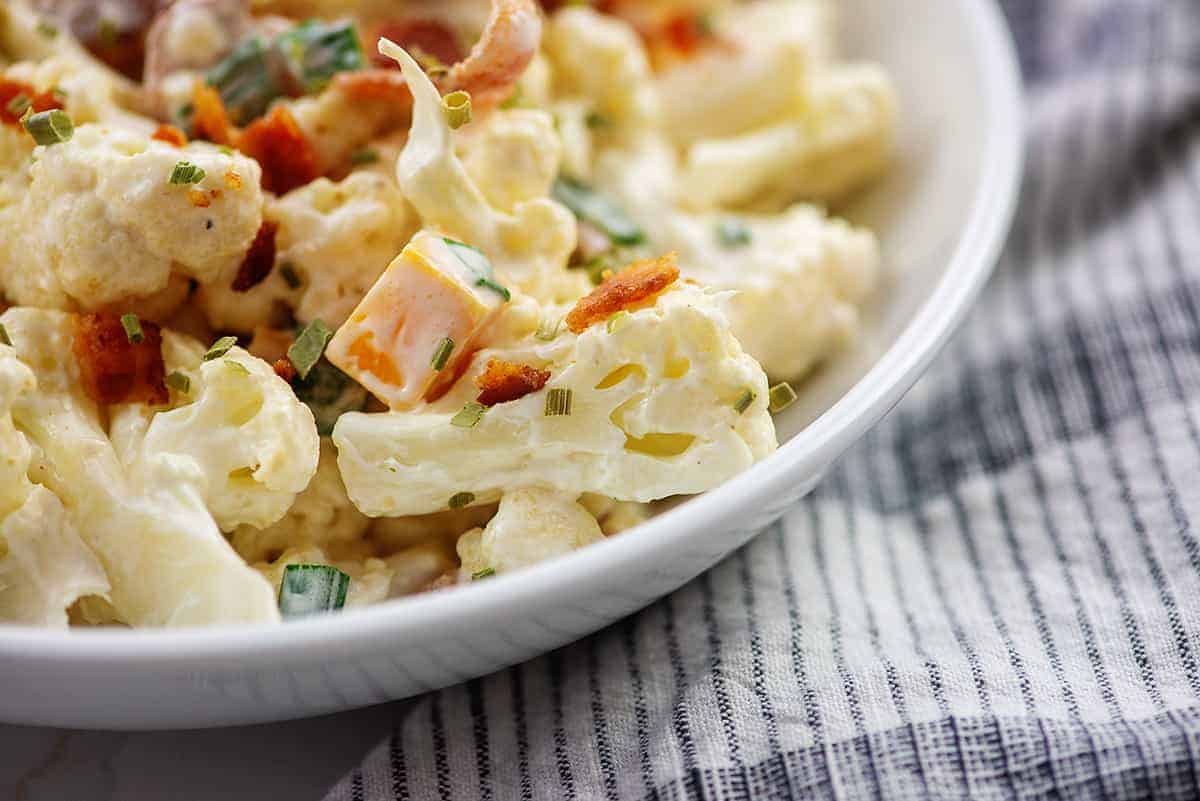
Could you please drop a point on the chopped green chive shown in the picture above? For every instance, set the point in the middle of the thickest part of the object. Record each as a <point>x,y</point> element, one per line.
<point>50,127</point>
<point>225,150</point>
<point>461,499</point>
<point>46,29</point>
<point>133,328</point>
<point>179,382</point>
<point>487,572</point>
<point>591,206</point>
<point>441,353</point>
<point>287,272</point>
<point>220,348</point>
<point>733,233</point>
<point>184,172</point>
<point>457,108</point>
<point>744,400</point>
<point>236,367</point>
<point>616,321</point>
<point>18,105</point>
<point>469,416</point>
<point>311,589</point>
<point>781,397</point>
<point>246,81</point>
<point>595,120</point>
<point>558,402</point>
<point>316,51</point>
<point>329,393</point>
<point>547,330</point>
<point>474,260</point>
<point>364,156</point>
<point>4,337</point>
<point>307,349</point>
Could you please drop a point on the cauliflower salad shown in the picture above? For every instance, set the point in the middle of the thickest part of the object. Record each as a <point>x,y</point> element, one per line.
<point>308,304</point>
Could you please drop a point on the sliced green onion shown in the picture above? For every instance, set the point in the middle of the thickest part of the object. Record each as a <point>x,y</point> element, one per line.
<point>547,329</point>
<point>329,393</point>
<point>50,127</point>
<point>246,81</point>
<point>225,150</point>
<point>781,397</point>
<point>441,353</point>
<point>461,499</point>
<point>311,589</point>
<point>744,400</point>
<point>733,233</point>
<point>133,328</point>
<point>558,402</point>
<point>18,105</point>
<point>179,382</point>
<point>316,51</point>
<point>487,572</point>
<point>589,205</point>
<point>616,321</point>
<point>457,108</point>
<point>5,339</point>
<point>309,345</point>
<point>287,271</point>
<point>469,416</point>
<point>236,367</point>
<point>475,261</point>
<point>184,172</point>
<point>364,156</point>
<point>220,348</point>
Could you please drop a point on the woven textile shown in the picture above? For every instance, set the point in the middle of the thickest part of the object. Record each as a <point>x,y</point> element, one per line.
<point>997,593</point>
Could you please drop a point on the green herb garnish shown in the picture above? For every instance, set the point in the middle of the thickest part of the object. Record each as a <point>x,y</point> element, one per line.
<point>316,51</point>
<point>329,393</point>
<point>469,416</point>
<point>782,396</point>
<point>487,572</point>
<point>461,499</point>
<point>306,351</point>
<point>481,269</point>
<point>589,205</point>
<point>733,233</point>
<point>441,353</point>
<point>364,156</point>
<point>220,348</point>
<point>133,328</point>
<point>547,330</point>
<point>312,589</point>
<point>457,108</point>
<point>246,81</point>
<point>46,29</point>
<point>4,337</point>
<point>50,127</point>
<point>18,105</point>
<point>184,172</point>
<point>744,400</point>
<point>558,402</point>
<point>179,382</point>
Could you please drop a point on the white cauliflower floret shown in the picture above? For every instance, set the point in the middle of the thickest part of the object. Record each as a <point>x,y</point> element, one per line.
<point>165,557</point>
<point>44,566</point>
<point>321,515</point>
<point>533,525</point>
<point>100,220</point>
<point>652,415</point>
<point>253,442</point>
<point>799,279</point>
<point>601,58</point>
<point>512,156</point>
<point>529,246</point>
<point>335,239</point>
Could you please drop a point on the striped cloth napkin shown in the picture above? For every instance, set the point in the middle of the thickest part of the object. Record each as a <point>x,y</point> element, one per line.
<point>997,594</point>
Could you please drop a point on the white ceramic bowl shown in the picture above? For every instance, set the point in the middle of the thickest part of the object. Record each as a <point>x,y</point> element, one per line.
<point>942,217</point>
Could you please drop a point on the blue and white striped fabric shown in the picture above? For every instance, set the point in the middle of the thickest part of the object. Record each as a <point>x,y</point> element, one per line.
<point>997,595</point>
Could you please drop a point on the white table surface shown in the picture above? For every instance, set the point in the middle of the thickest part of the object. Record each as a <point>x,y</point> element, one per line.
<point>297,761</point>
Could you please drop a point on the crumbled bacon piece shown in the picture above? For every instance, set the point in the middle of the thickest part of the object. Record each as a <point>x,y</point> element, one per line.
<point>38,101</point>
<point>288,158</point>
<point>373,86</point>
<point>260,258</point>
<point>114,370</point>
<point>171,135</point>
<point>637,285</point>
<point>503,381</point>
<point>424,36</point>
<point>285,369</point>
<point>210,120</point>
<point>199,198</point>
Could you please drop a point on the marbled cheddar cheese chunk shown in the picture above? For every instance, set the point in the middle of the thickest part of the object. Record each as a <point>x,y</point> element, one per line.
<point>436,289</point>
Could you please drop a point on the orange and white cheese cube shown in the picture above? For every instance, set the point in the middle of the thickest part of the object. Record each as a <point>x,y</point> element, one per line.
<point>420,320</point>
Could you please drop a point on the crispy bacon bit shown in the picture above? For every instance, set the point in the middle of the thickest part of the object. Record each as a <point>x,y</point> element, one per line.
<point>38,101</point>
<point>285,370</point>
<point>233,180</point>
<point>210,120</point>
<point>373,86</point>
<point>260,258</point>
<point>276,142</point>
<point>424,36</point>
<point>635,286</point>
<point>114,370</point>
<point>199,198</point>
<point>503,381</point>
<point>171,135</point>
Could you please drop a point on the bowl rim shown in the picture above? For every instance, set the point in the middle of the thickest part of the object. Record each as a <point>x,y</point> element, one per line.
<point>808,453</point>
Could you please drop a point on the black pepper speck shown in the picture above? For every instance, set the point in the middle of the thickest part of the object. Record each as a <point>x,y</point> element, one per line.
<point>208,224</point>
